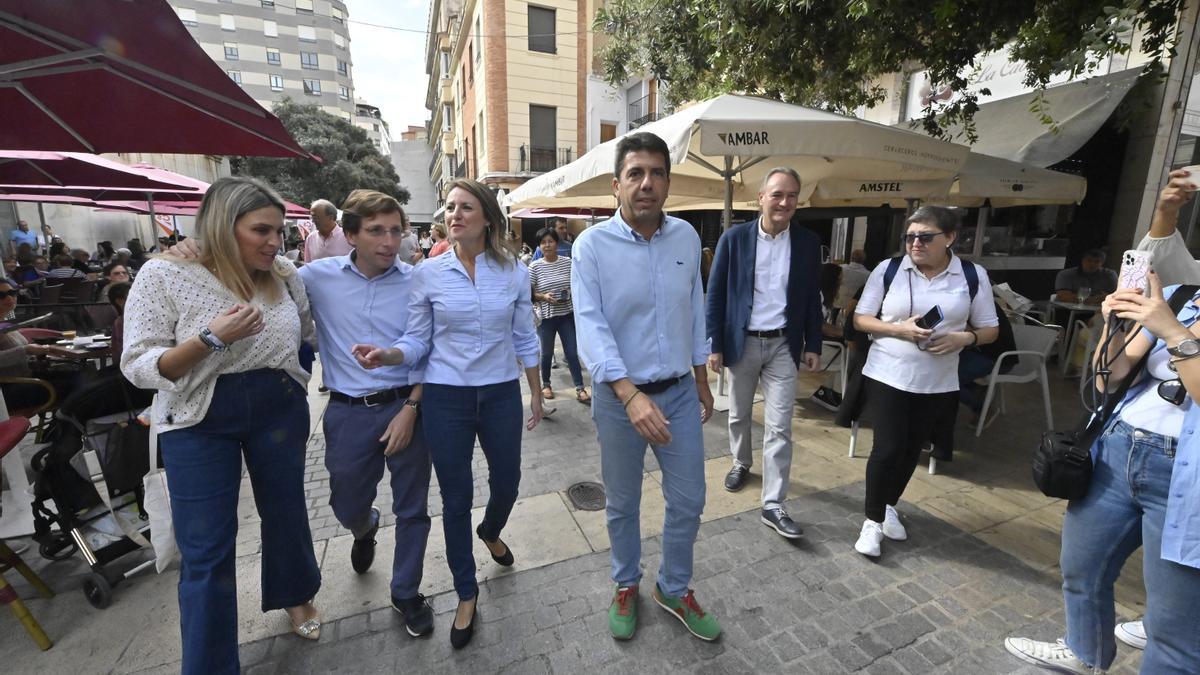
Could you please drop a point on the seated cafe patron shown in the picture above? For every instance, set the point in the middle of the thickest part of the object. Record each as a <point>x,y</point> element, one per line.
<point>1088,283</point>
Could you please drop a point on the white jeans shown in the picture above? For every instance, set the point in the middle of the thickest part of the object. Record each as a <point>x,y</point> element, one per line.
<point>765,360</point>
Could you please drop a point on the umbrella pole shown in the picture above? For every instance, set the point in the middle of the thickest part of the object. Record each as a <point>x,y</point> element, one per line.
<point>981,222</point>
<point>42,228</point>
<point>727,215</point>
<point>153,223</point>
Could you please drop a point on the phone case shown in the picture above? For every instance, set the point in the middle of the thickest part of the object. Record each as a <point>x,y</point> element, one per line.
<point>1135,268</point>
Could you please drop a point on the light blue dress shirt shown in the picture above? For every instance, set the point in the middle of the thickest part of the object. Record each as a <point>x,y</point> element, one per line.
<point>1181,531</point>
<point>639,305</point>
<point>349,308</point>
<point>472,333</point>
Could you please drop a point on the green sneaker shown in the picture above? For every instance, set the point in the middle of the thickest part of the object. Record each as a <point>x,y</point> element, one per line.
<point>687,610</point>
<point>622,613</point>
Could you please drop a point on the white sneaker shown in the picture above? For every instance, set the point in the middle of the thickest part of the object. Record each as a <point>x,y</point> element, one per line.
<point>1132,633</point>
<point>892,527</point>
<point>869,539</point>
<point>1050,655</point>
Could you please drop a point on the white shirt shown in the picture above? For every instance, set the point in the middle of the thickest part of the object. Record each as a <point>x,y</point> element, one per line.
<point>1148,410</point>
<point>772,266</point>
<point>171,302</point>
<point>1172,260</point>
<point>898,362</point>
<point>854,277</point>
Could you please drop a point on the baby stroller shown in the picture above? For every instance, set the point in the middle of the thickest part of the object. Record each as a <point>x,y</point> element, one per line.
<point>88,490</point>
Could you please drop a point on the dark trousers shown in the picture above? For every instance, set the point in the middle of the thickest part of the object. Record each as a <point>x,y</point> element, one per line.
<point>903,423</point>
<point>260,416</point>
<point>455,417</point>
<point>354,458</point>
<point>972,365</point>
<point>564,326</point>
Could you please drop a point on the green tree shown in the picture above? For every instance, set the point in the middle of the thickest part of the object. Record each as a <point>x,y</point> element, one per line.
<point>352,161</point>
<point>824,53</point>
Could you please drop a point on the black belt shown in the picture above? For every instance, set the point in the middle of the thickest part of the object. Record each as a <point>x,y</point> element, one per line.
<point>773,333</point>
<point>374,399</point>
<point>660,386</point>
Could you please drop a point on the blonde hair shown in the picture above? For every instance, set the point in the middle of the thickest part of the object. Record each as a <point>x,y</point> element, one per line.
<point>225,201</point>
<point>493,236</point>
<point>440,230</point>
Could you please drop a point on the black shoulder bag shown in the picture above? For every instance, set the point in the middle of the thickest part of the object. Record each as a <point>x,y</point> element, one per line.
<point>1062,465</point>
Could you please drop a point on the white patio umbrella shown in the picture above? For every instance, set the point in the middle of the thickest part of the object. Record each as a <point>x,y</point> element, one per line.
<point>721,148</point>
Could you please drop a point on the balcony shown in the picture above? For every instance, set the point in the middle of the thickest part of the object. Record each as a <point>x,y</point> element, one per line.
<point>640,113</point>
<point>460,171</point>
<point>539,160</point>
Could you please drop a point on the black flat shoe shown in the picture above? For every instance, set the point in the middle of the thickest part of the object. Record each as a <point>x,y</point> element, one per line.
<point>507,559</point>
<point>461,637</point>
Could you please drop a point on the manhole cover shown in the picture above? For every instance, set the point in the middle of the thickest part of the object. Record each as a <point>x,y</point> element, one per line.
<point>587,496</point>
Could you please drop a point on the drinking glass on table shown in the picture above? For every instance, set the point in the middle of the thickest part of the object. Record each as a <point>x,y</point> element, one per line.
<point>1085,292</point>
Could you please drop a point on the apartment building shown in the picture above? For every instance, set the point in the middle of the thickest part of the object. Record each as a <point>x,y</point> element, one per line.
<point>368,118</point>
<point>294,48</point>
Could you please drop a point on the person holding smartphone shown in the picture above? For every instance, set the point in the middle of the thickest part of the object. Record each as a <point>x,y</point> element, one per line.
<point>550,277</point>
<point>919,324</point>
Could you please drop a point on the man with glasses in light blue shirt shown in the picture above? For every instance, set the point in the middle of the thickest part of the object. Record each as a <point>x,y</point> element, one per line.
<point>371,420</point>
<point>639,307</point>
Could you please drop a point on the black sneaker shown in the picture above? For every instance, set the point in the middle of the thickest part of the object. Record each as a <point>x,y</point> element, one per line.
<point>777,519</point>
<point>362,554</point>
<point>417,614</point>
<point>736,478</point>
<point>827,399</point>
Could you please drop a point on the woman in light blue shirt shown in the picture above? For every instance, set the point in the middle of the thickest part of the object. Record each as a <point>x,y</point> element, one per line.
<point>471,314</point>
<point>1145,491</point>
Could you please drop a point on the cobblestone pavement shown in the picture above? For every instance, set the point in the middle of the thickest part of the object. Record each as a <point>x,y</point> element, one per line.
<point>942,602</point>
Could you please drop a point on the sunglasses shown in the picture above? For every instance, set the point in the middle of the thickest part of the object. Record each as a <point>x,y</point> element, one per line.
<point>924,237</point>
<point>9,294</point>
<point>1172,391</point>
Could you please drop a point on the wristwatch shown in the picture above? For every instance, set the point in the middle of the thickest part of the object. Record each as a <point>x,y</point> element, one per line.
<point>211,341</point>
<point>415,405</point>
<point>1186,349</point>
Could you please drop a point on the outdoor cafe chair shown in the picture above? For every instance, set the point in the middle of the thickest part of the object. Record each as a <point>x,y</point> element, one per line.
<point>50,294</point>
<point>12,430</point>
<point>71,289</point>
<point>1034,345</point>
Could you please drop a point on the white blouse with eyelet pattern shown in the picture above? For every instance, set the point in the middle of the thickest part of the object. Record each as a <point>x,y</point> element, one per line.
<point>171,302</point>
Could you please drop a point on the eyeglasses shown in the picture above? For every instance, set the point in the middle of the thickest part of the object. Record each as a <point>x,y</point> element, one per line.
<point>10,294</point>
<point>924,237</point>
<point>1172,391</point>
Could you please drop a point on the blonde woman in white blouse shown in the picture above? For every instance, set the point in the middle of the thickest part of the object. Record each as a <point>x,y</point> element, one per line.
<point>218,338</point>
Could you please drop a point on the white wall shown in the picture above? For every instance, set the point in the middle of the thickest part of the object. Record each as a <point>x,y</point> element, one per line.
<point>605,104</point>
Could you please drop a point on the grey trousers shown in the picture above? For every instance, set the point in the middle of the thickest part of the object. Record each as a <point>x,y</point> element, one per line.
<point>766,361</point>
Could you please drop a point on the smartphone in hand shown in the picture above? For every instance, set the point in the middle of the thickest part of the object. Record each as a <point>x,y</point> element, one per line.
<point>931,319</point>
<point>1135,270</point>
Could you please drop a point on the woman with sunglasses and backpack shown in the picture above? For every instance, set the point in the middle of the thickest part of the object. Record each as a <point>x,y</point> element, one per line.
<point>932,309</point>
<point>1144,490</point>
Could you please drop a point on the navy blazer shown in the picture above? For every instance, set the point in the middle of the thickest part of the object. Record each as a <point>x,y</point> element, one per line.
<point>731,292</point>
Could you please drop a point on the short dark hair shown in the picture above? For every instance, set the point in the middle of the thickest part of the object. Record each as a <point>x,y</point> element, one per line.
<point>112,266</point>
<point>118,291</point>
<point>1095,254</point>
<point>938,216</point>
<point>642,140</point>
<point>63,260</point>
<point>548,232</point>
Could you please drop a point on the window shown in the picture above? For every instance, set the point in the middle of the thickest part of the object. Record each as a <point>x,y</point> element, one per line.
<point>343,92</point>
<point>227,22</point>
<point>541,30</point>
<point>269,4</point>
<point>231,51</point>
<point>307,33</point>
<point>543,137</point>
<point>445,64</point>
<point>478,44</point>
<point>337,14</point>
<point>187,16</point>
<point>236,76</point>
<point>312,87</point>
<point>447,117</point>
<point>276,83</point>
<point>309,60</point>
<point>375,127</point>
<point>304,6</point>
<point>339,41</point>
<point>470,67</point>
<point>481,144</point>
<point>273,56</point>
<point>270,29</point>
<point>343,69</point>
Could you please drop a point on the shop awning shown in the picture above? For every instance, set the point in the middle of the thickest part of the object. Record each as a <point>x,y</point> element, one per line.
<point>1008,129</point>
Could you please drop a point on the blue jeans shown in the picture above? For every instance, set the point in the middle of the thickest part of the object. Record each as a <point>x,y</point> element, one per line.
<point>354,458</point>
<point>1124,509</point>
<point>455,416</point>
<point>261,416</point>
<point>622,463</point>
<point>972,365</point>
<point>565,327</point>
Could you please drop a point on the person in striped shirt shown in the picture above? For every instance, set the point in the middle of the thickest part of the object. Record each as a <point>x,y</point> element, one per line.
<point>550,277</point>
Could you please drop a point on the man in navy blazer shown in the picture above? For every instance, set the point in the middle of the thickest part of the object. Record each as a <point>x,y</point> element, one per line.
<point>764,322</point>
